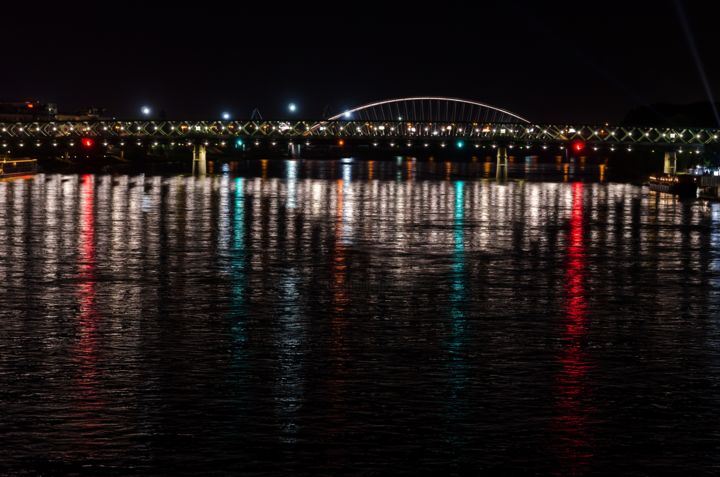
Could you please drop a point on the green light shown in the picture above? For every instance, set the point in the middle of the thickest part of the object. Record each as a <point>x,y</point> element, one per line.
<point>238,142</point>
<point>460,144</point>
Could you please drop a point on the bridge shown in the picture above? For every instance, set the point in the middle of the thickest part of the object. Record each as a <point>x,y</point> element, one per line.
<point>416,122</point>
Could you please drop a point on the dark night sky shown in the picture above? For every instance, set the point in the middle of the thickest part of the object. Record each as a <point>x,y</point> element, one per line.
<point>549,61</point>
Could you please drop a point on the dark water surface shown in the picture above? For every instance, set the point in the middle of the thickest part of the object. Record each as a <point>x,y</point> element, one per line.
<point>363,318</point>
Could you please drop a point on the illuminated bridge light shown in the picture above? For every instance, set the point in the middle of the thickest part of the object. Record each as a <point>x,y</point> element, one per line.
<point>460,144</point>
<point>88,142</point>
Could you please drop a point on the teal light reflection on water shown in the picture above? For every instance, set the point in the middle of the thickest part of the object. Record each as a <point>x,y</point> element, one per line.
<point>458,263</point>
<point>237,268</point>
<point>457,367</point>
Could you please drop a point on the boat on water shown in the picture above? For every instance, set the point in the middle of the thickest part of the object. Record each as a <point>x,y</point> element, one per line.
<point>17,166</point>
<point>679,184</point>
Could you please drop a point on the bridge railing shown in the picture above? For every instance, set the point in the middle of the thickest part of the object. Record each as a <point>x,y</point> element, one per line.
<point>487,132</point>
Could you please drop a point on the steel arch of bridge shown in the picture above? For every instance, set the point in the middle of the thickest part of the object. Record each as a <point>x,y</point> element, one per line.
<point>430,108</point>
<point>65,132</point>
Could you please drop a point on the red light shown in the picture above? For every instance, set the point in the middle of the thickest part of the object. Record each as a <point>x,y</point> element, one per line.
<point>578,146</point>
<point>30,105</point>
<point>341,142</point>
<point>88,142</point>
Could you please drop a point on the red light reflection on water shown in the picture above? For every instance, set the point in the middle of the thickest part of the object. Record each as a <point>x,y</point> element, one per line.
<point>575,449</point>
<point>88,385</point>
<point>86,272</point>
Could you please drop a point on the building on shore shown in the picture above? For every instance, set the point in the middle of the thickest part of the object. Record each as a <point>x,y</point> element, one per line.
<point>14,111</point>
<point>24,111</point>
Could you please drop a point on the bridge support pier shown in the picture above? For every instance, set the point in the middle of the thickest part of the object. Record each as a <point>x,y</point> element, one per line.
<point>294,150</point>
<point>199,165</point>
<point>502,163</point>
<point>670,160</point>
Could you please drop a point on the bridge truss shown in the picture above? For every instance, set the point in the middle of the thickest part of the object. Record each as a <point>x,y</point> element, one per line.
<point>70,133</point>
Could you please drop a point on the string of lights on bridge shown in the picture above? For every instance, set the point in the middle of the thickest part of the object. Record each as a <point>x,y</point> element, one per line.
<point>392,134</point>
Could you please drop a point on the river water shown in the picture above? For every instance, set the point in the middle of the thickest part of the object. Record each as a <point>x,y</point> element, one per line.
<point>356,317</point>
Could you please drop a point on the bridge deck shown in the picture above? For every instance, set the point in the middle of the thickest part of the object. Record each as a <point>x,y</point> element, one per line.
<point>116,130</point>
